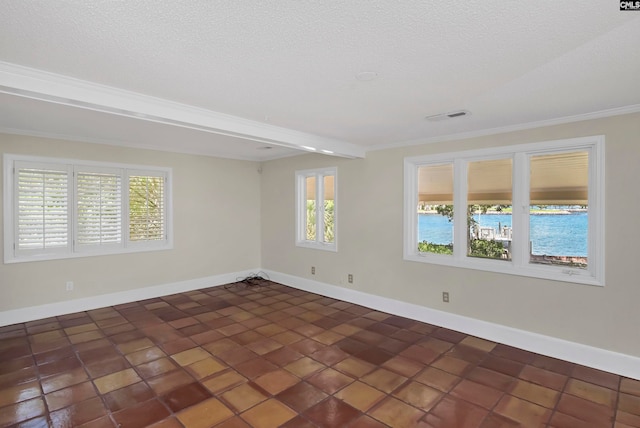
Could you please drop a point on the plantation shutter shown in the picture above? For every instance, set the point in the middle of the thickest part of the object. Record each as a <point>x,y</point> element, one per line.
<point>147,214</point>
<point>99,208</point>
<point>42,210</point>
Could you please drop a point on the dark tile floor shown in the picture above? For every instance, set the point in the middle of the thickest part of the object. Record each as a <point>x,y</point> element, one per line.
<point>274,356</point>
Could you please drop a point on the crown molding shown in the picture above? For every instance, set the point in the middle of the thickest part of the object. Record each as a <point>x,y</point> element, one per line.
<point>619,111</point>
<point>55,88</point>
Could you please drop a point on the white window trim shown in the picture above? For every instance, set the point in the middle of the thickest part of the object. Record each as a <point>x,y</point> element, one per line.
<point>11,256</point>
<point>301,210</point>
<point>519,265</point>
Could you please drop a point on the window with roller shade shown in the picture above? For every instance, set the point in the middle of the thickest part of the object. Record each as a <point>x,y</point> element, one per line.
<point>533,210</point>
<point>56,208</point>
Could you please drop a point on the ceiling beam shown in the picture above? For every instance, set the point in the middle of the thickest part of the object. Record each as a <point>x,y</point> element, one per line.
<point>55,88</point>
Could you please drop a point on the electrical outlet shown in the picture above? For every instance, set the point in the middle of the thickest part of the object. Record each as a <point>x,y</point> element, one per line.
<point>313,270</point>
<point>350,278</point>
<point>69,286</point>
<point>445,296</point>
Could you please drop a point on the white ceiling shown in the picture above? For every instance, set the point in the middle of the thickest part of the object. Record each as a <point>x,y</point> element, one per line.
<point>229,78</point>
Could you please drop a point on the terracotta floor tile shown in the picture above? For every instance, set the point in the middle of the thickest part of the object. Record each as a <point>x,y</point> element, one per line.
<point>79,413</point>
<point>597,377</point>
<point>543,377</point>
<point>629,403</point>
<point>67,396</point>
<point>276,381</point>
<point>418,395</point>
<point>395,413</point>
<point>64,380</point>
<point>178,345</point>
<point>83,328</point>
<point>360,395</point>
<point>384,380</point>
<point>217,347</point>
<point>584,409</point>
<point>145,355</point>
<point>205,368</point>
<point>591,392</point>
<point>255,367</point>
<point>329,355</point>
<point>18,393</point>
<point>332,413</point>
<point>304,367</point>
<point>502,365</point>
<point>264,346</point>
<point>283,356</point>
<point>185,396</point>
<point>437,379</point>
<point>354,367</point>
<point>85,337</point>
<point>128,396</point>
<point>525,412</point>
<point>141,415</point>
<point>329,380</point>
<point>268,414</point>
<point>243,397</point>
<point>224,381</point>
<point>247,357</point>
<point>237,356</point>
<point>483,396</point>
<point>156,367</point>
<point>116,380</point>
<point>103,368</point>
<point>404,366</point>
<point>630,386</point>
<point>452,365</point>
<point>376,356</point>
<point>190,356</point>
<point>452,412</point>
<point>301,396</point>
<point>491,378</point>
<point>22,411</point>
<point>288,337</point>
<point>365,421</point>
<point>476,342</point>
<point>169,381</point>
<point>537,394</point>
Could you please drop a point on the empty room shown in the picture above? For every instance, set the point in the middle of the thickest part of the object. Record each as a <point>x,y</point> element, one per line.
<point>319,214</point>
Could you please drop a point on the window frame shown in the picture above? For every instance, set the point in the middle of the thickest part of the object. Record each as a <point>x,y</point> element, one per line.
<point>301,208</point>
<point>74,249</point>
<point>519,264</point>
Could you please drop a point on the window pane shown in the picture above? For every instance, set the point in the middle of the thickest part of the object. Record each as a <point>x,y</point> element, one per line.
<point>435,209</point>
<point>489,200</point>
<point>42,209</point>
<point>146,208</point>
<point>310,214</point>
<point>329,209</point>
<point>559,214</point>
<point>99,208</point>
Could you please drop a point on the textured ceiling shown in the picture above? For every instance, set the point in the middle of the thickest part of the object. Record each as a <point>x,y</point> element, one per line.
<point>283,73</point>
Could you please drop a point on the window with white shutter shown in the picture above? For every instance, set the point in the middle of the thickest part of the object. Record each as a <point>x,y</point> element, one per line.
<point>146,207</point>
<point>42,208</point>
<point>98,208</point>
<point>59,208</point>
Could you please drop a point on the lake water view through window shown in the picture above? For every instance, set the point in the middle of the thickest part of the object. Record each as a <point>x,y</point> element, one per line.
<point>561,232</point>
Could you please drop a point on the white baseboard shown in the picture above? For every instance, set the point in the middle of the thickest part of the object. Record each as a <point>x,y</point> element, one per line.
<point>602,359</point>
<point>32,313</point>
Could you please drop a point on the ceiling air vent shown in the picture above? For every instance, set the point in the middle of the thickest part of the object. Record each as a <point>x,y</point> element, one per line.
<point>446,116</point>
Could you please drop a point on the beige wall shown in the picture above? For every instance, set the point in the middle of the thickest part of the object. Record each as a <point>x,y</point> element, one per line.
<point>370,233</point>
<point>216,228</point>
